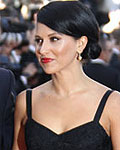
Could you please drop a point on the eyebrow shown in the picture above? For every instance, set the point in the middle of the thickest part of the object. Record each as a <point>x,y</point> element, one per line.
<point>51,34</point>
<point>37,36</point>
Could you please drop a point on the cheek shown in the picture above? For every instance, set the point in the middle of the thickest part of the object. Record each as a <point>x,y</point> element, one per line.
<point>66,49</point>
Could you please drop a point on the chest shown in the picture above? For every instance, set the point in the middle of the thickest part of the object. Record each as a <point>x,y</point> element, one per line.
<point>62,115</point>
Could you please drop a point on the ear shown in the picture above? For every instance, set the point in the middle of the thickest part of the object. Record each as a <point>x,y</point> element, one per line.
<point>81,44</point>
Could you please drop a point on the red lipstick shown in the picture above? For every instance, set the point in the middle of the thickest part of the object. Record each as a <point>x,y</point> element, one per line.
<point>46,60</point>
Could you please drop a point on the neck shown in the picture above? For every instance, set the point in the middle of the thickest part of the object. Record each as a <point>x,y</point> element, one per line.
<point>67,82</point>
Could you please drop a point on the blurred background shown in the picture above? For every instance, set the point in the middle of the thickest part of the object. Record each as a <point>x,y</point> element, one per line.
<point>17,29</point>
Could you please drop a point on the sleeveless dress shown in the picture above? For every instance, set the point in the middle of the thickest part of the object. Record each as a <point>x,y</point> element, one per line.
<point>89,136</point>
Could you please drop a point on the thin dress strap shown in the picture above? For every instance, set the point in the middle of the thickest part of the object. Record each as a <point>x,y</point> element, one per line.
<point>28,103</point>
<point>102,105</point>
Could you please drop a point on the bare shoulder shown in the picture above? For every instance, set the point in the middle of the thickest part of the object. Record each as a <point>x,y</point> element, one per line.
<point>20,99</point>
<point>20,106</point>
<point>113,99</point>
<point>114,104</point>
<point>21,102</point>
<point>115,96</point>
<point>114,117</point>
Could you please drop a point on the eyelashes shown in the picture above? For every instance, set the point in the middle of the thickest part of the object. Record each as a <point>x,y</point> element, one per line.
<point>36,40</point>
<point>40,41</point>
<point>53,39</point>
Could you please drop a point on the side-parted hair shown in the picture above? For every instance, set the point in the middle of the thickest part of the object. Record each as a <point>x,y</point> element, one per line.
<point>74,19</point>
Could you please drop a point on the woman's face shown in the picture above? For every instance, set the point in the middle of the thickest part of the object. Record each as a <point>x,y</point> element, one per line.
<point>55,51</point>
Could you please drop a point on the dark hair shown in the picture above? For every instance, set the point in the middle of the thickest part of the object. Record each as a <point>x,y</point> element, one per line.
<point>74,19</point>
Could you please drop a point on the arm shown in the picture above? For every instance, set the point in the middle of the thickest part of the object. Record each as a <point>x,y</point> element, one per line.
<point>114,115</point>
<point>19,119</point>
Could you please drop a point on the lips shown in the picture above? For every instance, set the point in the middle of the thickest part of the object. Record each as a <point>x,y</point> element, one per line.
<point>46,60</point>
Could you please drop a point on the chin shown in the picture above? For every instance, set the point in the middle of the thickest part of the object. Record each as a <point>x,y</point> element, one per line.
<point>49,71</point>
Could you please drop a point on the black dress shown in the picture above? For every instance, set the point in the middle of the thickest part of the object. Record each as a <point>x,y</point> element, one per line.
<point>89,136</point>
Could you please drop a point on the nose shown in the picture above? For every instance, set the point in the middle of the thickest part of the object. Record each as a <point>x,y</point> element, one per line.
<point>44,48</point>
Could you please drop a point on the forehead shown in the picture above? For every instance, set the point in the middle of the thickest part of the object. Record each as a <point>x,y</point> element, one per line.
<point>44,31</point>
<point>42,28</point>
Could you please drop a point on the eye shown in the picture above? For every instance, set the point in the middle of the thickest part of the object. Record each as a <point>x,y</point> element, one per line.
<point>54,39</point>
<point>38,41</point>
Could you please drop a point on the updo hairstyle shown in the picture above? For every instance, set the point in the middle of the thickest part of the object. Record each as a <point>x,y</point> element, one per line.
<point>74,19</point>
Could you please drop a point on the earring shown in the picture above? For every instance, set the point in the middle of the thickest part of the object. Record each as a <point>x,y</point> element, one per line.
<point>79,57</point>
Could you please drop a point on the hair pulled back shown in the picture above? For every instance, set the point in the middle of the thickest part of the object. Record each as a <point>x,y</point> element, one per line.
<point>74,19</point>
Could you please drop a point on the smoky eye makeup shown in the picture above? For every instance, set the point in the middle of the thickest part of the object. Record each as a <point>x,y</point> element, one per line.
<point>38,40</point>
<point>54,39</point>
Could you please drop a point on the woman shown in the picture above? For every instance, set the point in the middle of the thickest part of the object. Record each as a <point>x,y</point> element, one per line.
<point>69,111</point>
